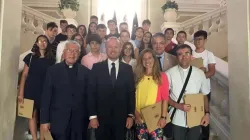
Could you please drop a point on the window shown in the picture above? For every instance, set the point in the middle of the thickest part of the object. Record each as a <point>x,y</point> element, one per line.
<point>123,8</point>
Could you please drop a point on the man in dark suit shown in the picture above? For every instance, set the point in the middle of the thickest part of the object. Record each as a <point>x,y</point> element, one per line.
<point>63,99</point>
<point>111,95</point>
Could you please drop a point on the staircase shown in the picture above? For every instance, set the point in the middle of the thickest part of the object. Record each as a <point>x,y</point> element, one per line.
<point>34,23</point>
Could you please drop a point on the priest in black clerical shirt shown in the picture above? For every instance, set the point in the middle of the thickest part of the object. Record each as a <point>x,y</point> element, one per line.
<point>63,107</point>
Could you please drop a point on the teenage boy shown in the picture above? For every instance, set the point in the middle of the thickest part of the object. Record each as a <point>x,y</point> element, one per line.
<point>200,39</point>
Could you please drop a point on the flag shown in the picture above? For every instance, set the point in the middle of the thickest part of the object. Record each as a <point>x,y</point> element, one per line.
<point>125,18</point>
<point>103,18</point>
<point>114,18</point>
<point>135,25</point>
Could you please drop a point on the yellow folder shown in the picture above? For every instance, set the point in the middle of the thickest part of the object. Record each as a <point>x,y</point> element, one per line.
<point>25,109</point>
<point>197,62</point>
<point>151,115</point>
<point>196,112</point>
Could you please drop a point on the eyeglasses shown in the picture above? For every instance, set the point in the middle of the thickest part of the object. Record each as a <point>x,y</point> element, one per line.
<point>42,42</point>
<point>71,51</point>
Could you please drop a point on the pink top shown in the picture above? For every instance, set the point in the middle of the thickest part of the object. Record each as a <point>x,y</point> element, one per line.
<point>163,89</point>
<point>89,59</point>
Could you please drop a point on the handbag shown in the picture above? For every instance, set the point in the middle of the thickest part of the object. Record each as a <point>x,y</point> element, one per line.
<point>168,129</point>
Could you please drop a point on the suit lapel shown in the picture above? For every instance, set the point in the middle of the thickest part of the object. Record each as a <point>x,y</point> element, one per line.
<point>119,76</point>
<point>165,62</point>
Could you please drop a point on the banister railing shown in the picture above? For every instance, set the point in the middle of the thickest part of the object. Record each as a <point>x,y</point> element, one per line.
<point>219,105</point>
<point>213,21</point>
<point>34,20</point>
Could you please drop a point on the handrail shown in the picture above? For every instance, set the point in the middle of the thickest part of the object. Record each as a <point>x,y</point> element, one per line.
<point>38,14</point>
<point>198,19</point>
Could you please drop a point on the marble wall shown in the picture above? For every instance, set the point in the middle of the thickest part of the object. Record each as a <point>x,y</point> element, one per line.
<point>10,43</point>
<point>239,81</point>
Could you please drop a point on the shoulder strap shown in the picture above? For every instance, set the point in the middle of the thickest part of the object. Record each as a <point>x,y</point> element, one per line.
<point>182,91</point>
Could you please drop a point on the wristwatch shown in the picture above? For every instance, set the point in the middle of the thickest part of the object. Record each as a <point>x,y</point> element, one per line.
<point>163,117</point>
<point>207,112</point>
<point>131,116</point>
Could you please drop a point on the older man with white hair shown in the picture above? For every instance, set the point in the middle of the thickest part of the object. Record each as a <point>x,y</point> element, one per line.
<point>63,99</point>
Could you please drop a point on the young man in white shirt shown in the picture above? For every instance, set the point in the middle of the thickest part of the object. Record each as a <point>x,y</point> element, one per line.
<point>196,84</point>
<point>70,31</point>
<point>200,38</point>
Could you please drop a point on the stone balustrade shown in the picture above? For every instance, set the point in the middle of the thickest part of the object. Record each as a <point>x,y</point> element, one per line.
<point>33,24</point>
<point>214,21</point>
<point>34,21</point>
<point>219,105</point>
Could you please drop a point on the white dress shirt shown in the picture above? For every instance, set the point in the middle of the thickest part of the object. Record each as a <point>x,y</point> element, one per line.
<point>116,66</point>
<point>59,51</point>
<point>196,84</point>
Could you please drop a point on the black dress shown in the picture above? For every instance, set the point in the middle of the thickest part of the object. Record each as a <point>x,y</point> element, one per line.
<point>36,76</point>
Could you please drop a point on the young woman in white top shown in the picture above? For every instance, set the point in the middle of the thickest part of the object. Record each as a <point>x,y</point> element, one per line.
<point>127,54</point>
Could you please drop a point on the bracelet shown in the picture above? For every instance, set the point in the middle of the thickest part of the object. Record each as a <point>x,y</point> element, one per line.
<point>162,117</point>
<point>207,112</point>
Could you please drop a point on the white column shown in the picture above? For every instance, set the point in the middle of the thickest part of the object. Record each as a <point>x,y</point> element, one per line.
<point>10,27</point>
<point>238,55</point>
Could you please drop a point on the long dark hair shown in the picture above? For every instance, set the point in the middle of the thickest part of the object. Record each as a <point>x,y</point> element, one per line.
<point>123,49</point>
<point>142,46</point>
<point>83,50</point>
<point>89,31</point>
<point>85,30</point>
<point>48,51</point>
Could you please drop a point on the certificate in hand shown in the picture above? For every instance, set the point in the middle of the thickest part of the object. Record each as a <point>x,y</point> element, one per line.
<point>196,112</point>
<point>151,115</point>
<point>25,109</point>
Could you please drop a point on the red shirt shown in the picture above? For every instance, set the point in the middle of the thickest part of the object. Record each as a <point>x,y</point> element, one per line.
<point>170,46</point>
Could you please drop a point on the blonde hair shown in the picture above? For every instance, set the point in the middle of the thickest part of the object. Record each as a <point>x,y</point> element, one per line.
<point>140,70</point>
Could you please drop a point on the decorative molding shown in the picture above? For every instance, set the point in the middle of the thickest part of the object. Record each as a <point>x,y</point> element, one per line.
<point>42,3</point>
<point>190,7</point>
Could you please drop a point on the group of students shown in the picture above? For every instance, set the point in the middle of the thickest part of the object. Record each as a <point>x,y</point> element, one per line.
<point>80,80</point>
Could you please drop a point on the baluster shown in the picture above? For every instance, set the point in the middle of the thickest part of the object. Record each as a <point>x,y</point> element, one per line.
<point>222,25</point>
<point>39,28</point>
<point>214,26</point>
<point>196,28</point>
<point>205,25</point>
<point>189,37</point>
<point>224,104</point>
<point>23,23</point>
<point>30,25</point>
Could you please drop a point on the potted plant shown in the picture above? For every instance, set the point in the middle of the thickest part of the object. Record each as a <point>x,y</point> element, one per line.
<point>170,9</point>
<point>69,7</point>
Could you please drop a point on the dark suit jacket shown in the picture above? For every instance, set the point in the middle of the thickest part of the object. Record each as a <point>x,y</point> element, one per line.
<point>111,103</point>
<point>60,102</point>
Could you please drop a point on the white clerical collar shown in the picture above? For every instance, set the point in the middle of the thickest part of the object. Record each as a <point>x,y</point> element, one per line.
<point>183,68</point>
